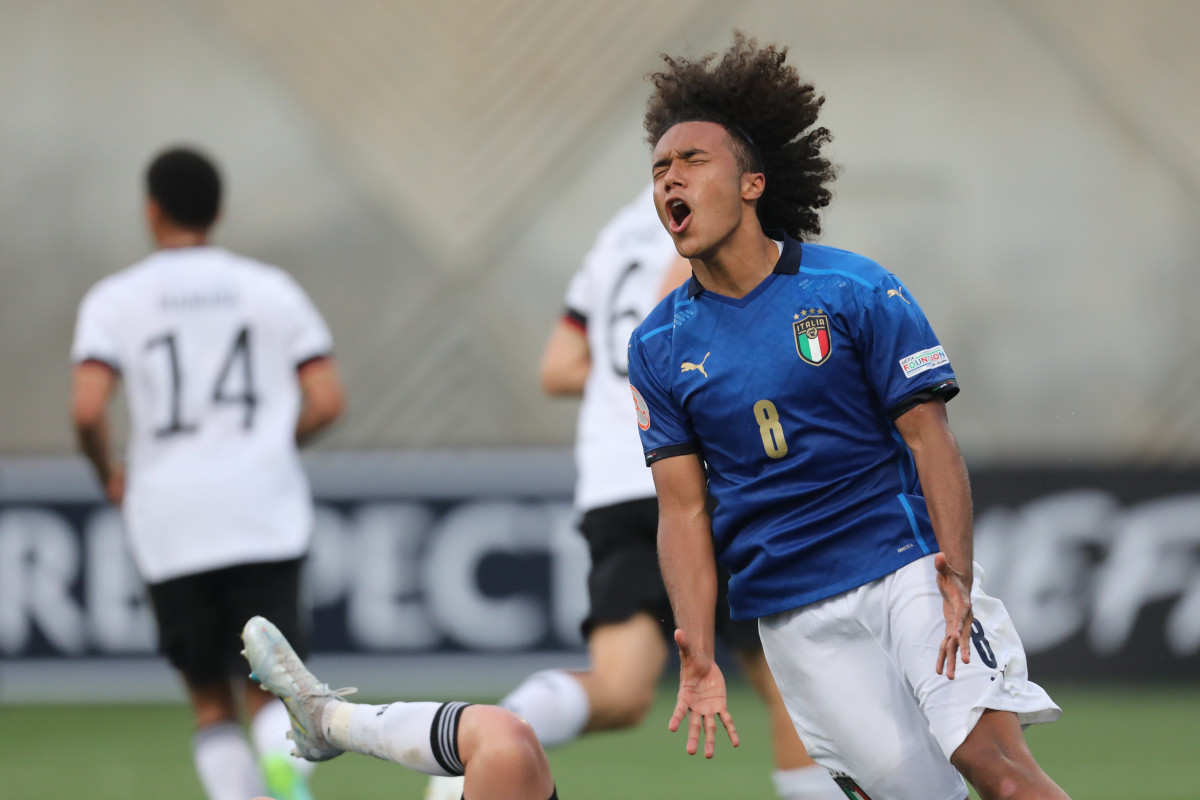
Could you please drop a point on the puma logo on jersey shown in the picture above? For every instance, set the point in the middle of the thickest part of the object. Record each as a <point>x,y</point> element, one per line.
<point>898,293</point>
<point>688,366</point>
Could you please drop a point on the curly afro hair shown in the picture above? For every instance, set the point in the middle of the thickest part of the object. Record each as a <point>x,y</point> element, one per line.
<point>769,113</point>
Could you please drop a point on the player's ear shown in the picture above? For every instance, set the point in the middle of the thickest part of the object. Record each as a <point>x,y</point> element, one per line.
<point>753,184</point>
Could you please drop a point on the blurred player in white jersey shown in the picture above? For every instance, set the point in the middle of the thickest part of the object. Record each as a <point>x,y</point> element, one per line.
<point>631,266</point>
<point>227,367</point>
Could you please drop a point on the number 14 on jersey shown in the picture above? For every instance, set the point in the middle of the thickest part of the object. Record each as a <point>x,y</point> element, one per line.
<point>237,362</point>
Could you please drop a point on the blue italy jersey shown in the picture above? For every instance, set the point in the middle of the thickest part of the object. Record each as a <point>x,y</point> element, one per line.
<point>789,395</point>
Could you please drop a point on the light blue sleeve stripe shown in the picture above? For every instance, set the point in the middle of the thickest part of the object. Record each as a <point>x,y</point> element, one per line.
<point>850,275</point>
<point>657,331</point>
<point>912,521</point>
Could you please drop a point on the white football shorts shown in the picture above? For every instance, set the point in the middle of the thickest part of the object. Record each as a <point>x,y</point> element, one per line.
<point>857,674</point>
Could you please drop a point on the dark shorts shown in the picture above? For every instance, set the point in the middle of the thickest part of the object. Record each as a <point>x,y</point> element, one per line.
<point>200,616</point>
<point>625,578</point>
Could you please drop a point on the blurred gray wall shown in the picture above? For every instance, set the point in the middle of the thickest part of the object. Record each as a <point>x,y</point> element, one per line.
<point>433,173</point>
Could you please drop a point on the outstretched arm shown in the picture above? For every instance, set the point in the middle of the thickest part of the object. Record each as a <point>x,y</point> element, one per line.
<point>685,554</point>
<point>943,477</point>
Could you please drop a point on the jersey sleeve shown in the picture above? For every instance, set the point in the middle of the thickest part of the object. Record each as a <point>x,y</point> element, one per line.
<point>308,336</point>
<point>664,426</point>
<point>903,359</point>
<point>97,332</point>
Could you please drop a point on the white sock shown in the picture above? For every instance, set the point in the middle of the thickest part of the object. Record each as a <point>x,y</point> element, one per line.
<point>554,703</point>
<point>225,762</point>
<point>269,730</point>
<point>420,736</point>
<point>806,783</point>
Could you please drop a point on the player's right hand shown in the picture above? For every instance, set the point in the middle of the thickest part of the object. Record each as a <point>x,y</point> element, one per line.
<point>702,698</point>
<point>956,606</point>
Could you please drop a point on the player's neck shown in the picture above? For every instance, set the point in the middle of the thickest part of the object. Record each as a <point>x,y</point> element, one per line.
<point>739,264</point>
<point>173,238</point>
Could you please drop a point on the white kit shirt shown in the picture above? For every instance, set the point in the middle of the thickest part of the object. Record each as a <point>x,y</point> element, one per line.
<point>618,284</point>
<point>208,344</point>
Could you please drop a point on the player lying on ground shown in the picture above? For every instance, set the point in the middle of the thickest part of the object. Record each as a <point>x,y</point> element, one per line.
<point>492,747</point>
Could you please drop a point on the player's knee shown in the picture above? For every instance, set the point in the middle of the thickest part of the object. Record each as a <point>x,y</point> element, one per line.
<point>624,706</point>
<point>1001,774</point>
<point>993,770</point>
<point>520,733</point>
<point>516,746</point>
<point>504,757</point>
<point>637,700</point>
<point>1006,787</point>
<point>506,735</point>
<point>995,784</point>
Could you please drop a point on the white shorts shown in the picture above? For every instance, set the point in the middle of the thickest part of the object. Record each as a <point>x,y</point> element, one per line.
<point>857,674</point>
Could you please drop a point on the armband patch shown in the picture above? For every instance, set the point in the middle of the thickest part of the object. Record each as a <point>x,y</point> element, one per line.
<point>923,361</point>
<point>643,410</point>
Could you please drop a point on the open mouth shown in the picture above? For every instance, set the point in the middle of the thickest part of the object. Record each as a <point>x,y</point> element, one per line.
<point>678,213</point>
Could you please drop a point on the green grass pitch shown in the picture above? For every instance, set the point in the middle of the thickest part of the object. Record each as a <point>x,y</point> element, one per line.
<point>1111,744</point>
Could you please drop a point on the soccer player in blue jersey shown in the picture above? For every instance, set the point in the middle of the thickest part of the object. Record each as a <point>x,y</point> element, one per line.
<point>804,389</point>
<point>629,268</point>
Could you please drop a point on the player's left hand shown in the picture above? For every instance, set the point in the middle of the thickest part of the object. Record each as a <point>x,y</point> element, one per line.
<point>956,606</point>
<point>702,699</point>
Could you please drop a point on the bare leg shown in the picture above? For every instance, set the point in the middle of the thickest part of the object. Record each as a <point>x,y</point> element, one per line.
<point>224,759</point>
<point>212,703</point>
<point>492,747</point>
<point>502,756</point>
<point>996,760</point>
<point>628,659</point>
<point>254,698</point>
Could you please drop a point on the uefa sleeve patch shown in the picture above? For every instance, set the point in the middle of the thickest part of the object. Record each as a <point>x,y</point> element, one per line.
<point>923,361</point>
<point>643,410</point>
